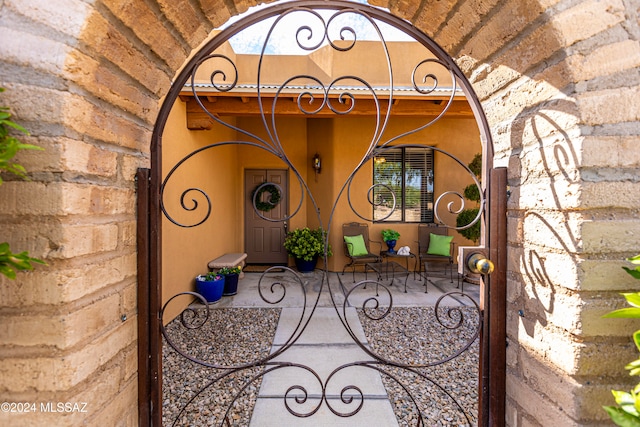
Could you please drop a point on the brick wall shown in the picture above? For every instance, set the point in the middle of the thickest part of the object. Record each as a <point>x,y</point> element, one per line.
<point>88,92</point>
<point>559,84</point>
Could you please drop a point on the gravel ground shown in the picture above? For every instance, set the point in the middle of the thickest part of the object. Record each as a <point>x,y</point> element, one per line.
<point>413,336</point>
<point>228,337</point>
<point>409,335</point>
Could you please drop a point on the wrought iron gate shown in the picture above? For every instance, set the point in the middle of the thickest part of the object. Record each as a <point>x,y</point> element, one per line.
<point>310,25</point>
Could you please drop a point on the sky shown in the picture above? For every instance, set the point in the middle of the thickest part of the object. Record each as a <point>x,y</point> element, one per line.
<point>283,38</point>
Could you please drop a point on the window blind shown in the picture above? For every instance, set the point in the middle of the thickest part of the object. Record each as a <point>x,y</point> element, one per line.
<point>406,173</point>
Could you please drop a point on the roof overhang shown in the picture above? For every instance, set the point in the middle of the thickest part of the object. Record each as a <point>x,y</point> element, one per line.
<point>249,100</point>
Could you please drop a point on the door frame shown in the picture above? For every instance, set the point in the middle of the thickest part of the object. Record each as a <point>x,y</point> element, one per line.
<point>284,199</point>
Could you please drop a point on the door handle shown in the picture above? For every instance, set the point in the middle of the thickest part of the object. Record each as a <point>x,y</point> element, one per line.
<point>286,227</point>
<point>477,263</point>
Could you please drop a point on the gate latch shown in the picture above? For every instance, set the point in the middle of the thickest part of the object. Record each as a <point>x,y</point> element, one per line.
<point>474,259</point>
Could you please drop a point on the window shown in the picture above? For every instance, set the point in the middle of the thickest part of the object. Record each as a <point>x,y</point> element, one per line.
<point>406,173</point>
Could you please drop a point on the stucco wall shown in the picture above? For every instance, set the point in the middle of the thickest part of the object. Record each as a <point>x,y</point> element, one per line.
<point>187,250</point>
<point>220,174</point>
<point>559,84</point>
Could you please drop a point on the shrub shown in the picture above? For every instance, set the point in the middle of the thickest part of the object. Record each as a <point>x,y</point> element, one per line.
<point>471,192</point>
<point>306,244</point>
<point>465,217</point>
<point>627,413</point>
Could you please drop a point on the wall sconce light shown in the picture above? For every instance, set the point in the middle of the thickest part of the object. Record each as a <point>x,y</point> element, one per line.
<point>316,162</point>
<point>379,160</point>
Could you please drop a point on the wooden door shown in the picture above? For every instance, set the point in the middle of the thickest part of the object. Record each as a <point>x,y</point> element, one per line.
<point>264,233</point>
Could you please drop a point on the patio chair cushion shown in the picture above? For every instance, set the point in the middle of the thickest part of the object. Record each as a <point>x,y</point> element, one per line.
<point>355,245</point>
<point>439,245</point>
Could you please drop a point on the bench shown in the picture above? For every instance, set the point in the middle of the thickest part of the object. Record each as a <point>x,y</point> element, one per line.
<point>228,260</point>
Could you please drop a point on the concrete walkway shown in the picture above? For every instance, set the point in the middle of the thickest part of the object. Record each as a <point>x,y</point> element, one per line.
<point>324,344</point>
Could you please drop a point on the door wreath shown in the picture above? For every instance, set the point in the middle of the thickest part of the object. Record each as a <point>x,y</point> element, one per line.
<point>273,199</point>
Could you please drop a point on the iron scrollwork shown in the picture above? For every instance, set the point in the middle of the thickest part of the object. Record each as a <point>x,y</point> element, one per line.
<point>313,96</point>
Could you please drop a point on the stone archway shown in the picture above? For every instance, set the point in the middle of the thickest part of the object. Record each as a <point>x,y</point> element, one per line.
<point>86,80</point>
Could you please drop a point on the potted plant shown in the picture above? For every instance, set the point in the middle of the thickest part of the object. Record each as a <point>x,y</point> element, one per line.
<point>231,275</point>
<point>305,246</point>
<point>390,237</point>
<point>210,286</point>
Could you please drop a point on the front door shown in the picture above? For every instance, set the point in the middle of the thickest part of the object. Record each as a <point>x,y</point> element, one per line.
<point>264,232</point>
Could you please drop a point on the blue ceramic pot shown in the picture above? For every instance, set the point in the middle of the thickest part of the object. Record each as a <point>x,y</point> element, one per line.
<point>306,266</point>
<point>231,284</point>
<point>210,290</point>
<point>391,244</point>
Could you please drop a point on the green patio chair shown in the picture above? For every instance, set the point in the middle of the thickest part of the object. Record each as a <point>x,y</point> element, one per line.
<point>357,246</point>
<point>435,246</point>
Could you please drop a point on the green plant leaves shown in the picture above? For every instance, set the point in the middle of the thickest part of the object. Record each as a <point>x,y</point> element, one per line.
<point>389,234</point>
<point>627,313</point>
<point>622,418</point>
<point>464,218</point>
<point>306,244</point>
<point>635,272</point>
<point>627,401</point>
<point>625,415</point>
<point>633,299</point>
<point>225,271</point>
<point>471,192</point>
<point>10,263</point>
<point>9,145</point>
<point>628,413</point>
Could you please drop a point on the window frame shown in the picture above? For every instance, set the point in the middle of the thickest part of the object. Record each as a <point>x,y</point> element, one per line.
<point>426,197</point>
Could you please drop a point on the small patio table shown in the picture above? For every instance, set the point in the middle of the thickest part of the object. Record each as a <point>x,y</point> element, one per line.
<point>385,267</point>
<point>386,255</point>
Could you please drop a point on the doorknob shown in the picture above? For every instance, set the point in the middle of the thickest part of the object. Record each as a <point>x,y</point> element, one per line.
<point>477,263</point>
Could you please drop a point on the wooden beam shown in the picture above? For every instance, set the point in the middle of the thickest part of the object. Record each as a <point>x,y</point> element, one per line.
<point>249,106</point>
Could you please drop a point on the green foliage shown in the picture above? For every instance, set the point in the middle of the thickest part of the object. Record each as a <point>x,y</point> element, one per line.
<point>9,147</point>
<point>306,244</point>
<point>633,299</point>
<point>471,192</point>
<point>389,234</point>
<point>210,276</point>
<point>225,271</point>
<point>465,217</point>
<point>627,414</point>
<point>476,165</point>
<point>10,263</point>
<point>636,271</point>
